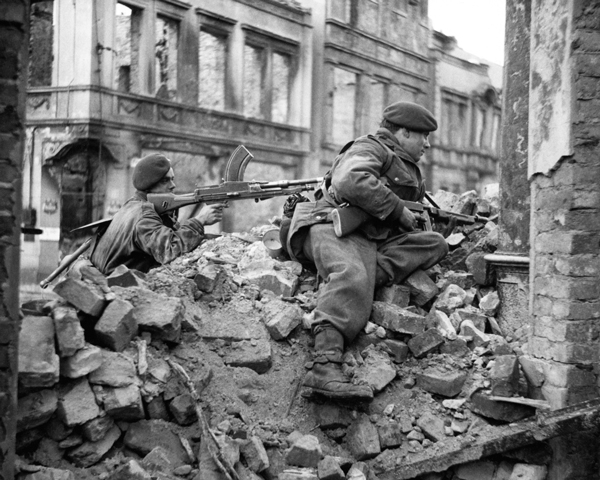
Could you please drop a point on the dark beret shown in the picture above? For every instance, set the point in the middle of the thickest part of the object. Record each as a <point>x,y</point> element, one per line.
<point>411,116</point>
<point>149,170</point>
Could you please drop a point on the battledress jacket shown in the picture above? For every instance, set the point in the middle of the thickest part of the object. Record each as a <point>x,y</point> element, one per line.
<point>375,174</point>
<point>141,239</point>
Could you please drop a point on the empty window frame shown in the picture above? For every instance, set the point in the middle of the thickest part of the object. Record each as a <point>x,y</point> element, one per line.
<point>376,102</point>
<point>269,70</point>
<point>344,105</point>
<point>166,52</point>
<point>212,73</point>
<point>41,35</point>
<point>127,48</point>
<point>368,16</point>
<point>340,10</point>
<point>454,128</point>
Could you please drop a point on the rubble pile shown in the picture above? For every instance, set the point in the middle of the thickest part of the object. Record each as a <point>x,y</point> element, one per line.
<point>101,393</point>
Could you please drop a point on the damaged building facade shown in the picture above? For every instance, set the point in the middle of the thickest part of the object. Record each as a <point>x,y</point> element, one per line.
<point>292,81</point>
<point>548,255</point>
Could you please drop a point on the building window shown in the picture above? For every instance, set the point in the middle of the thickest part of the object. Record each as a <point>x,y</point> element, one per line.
<point>340,10</point>
<point>127,48</point>
<point>479,126</point>
<point>495,131</point>
<point>454,121</point>
<point>167,39</point>
<point>368,16</point>
<point>375,104</point>
<point>212,58</point>
<point>282,74</point>
<point>344,105</point>
<point>40,44</point>
<point>269,71</point>
<point>254,81</point>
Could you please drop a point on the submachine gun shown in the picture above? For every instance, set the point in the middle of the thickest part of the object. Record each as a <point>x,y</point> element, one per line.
<point>347,218</point>
<point>233,187</point>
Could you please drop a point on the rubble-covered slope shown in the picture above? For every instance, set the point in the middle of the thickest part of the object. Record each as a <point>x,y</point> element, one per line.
<point>99,397</point>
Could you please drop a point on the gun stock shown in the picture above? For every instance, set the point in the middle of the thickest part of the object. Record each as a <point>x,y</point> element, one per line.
<point>66,263</point>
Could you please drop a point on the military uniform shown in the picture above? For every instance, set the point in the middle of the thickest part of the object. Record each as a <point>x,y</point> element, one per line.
<point>379,251</point>
<point>141,239</point>
<point>376,174</point>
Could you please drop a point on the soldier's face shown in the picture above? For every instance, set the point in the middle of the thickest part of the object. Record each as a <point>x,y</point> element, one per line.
<point>415,143</point>
<point>165,184</point>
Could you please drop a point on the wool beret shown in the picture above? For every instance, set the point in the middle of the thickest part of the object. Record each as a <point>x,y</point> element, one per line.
<point>149,170</point>
<point>411,116</point>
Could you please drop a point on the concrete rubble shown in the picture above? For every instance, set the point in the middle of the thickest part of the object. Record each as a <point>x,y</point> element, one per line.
<point>99,399</point>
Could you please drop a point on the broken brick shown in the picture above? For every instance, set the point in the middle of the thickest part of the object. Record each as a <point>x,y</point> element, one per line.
<point>122,403</point>
<point>86,360</point>
<point>396,319</point>
<point>36,409</point>
<point>376,371</point>
<point>90,453</point>
<point>450,299</point>
<point>122,276</point>
<point>117,325</point>
<point>504,376</point>
<point>329,469</point>
<point>398,295</point>
<point>183,409</point>
<point>331,416</point>
<point>282,318</point>
<point>497,410</point>
<point>362,439</point>
<point>253,354</point>
<point>432,427</point>
<point>255,454</point>
<point>479,339</point>
<point>69,333</point>
<point>85,296</point>
<point>398,349</point>
<point>390,435</point>
<point>422,288</point>
<point>442,382</point>
<point>116,370</point>
<point>426,342</point>
<point>38,362</point>
<point>76,403</point>
<point>208,277</point>
<point>305,452</point>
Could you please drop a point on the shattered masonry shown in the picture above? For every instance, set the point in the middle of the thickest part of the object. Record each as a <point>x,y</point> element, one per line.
<point>107,403</point>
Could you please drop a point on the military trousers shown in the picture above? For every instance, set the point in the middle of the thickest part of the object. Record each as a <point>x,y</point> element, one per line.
<point>349,267</point>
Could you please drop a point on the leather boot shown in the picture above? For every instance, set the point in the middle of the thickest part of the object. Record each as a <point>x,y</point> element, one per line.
<point>326,376</point>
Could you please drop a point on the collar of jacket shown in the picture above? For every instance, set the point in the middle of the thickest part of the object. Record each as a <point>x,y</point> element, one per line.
<point>390,140</point>
<point>139,195</point>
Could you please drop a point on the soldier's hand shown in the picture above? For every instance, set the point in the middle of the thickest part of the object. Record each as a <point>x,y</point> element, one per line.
<point>211,214</point>
<point>408,221</point>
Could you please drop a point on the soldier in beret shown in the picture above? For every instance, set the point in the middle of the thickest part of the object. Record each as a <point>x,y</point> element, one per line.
<point>376,173</point>
<point>140,238</point>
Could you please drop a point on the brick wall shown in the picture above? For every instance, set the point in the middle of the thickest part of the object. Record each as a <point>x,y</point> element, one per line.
<point>13,63</point>
<point>566,232</point>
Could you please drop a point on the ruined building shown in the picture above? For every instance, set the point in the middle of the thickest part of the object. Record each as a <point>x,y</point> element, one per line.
<point>547,263</point>
<point>110,82</point>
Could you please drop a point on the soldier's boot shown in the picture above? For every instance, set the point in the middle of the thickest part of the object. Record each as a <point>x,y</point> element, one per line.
<point>326,377</point>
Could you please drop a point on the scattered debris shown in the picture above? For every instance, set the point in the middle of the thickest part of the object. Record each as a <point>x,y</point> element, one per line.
<point>194,370</point>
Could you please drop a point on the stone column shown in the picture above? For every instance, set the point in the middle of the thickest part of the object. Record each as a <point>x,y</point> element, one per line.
<point>14,35</point>
<point>514,186</point>
<point>511,261</point>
